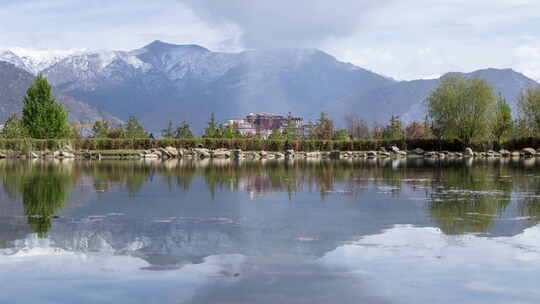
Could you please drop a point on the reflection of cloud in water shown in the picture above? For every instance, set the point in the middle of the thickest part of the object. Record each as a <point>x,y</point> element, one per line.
<point>54,275</point>
<point>423,265</point>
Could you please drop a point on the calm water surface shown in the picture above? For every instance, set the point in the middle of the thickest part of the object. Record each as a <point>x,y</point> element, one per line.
<point>368,231</point>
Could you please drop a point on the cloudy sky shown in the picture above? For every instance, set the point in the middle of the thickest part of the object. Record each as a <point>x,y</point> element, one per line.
<point>403,39</point>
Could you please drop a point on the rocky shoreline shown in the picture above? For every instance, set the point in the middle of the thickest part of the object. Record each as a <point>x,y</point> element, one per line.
<point>203,153</point>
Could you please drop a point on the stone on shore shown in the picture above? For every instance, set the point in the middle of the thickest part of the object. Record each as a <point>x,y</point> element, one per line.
<point>469,152</point>
<point>236,154</point>
<point>221,154</point>
<point>418,151</point>
<point>371,153</point>
<point>529,151</point>
<point>504,153</point>
<point>289,153</point>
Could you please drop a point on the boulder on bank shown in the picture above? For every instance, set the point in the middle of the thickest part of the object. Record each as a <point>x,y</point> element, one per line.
<point>171,151</point>
<point>371,153</point>
<point>335,155</point>
<point>469,152</point>
<point>504,153</point>
<point>221,154</point>
<point>2,155</point>
<point>394,149</point>
<point>237,153</point>
<point>289,153</point>
<point>201,153</point>
<point>279,155</point>
<point>314,154</point>
<point>150,156</point>
<point>431,154</point>
<point>65,154</point>
<point>528,151</point>
<point>418,151</point>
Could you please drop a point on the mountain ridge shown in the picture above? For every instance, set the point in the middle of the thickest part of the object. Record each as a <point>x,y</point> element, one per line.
<point>162,81</point>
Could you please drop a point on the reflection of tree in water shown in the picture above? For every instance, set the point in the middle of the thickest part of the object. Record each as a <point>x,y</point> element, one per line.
<point>462,196</point>
<point>44,194</point>
<point>44,188</point>
<point>527,186</point>
<point>105,175</point>
<point>468,200</point>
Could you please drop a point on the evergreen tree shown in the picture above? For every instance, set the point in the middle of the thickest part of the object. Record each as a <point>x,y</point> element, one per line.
<point>212,131</point>
<point>227,132</point>
<point>183,131</point>
<point>168,132</point>
<point>44,117</point>
<point>324,129</point>
<point>13,128</point>
<point>393,130</point>
<point>134,129</point>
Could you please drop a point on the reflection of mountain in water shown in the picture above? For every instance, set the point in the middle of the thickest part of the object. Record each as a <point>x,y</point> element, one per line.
<point>182,211</point>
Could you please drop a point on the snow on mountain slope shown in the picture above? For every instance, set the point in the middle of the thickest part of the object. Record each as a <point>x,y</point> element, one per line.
<point>35,61</point>
<point>186,61</point>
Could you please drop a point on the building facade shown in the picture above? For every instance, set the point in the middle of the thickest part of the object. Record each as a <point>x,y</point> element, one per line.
<point>262,124</point>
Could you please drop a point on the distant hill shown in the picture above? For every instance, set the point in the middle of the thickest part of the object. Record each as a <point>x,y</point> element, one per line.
<point>13,84</point>
<point>163,81</point>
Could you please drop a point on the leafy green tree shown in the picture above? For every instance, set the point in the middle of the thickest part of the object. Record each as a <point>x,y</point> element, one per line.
<point>227,132</point>
<point>291,131</point>
<point>212,131</point>
<point>503,123</point>
<point>521,129</point>
<point>169,131</point>
<point>44,117</point>
<point>236,131</point>
<point>342,134</point>
<point>13,128</point>
<point>275,135</point>
<point>134,129</point>
<point>529,109</point>
<point>183,131</point>
<point>394,129</point>
<point>461,108</point>
<point>101,129</point>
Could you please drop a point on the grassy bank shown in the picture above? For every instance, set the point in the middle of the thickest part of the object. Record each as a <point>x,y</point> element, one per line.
<point>258,144</point>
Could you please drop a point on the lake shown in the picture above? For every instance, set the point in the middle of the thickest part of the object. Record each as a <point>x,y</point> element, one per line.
<point>220,231</point>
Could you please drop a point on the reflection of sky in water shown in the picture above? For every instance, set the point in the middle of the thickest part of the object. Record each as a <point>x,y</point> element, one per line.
<point>403,264</point>
<point>423,265</point>
<point>324,233</point>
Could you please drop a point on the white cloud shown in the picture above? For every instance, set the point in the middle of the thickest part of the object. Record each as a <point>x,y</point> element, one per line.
<point>399,38</point>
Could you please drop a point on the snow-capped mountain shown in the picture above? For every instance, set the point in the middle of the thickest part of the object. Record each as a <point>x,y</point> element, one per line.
<point>34,61</point>
<point>163,81</point>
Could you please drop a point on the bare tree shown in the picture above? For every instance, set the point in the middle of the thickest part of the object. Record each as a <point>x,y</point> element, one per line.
<point>356,127</point>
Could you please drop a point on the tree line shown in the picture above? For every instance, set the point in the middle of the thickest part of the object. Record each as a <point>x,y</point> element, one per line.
<point>466,109</point>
